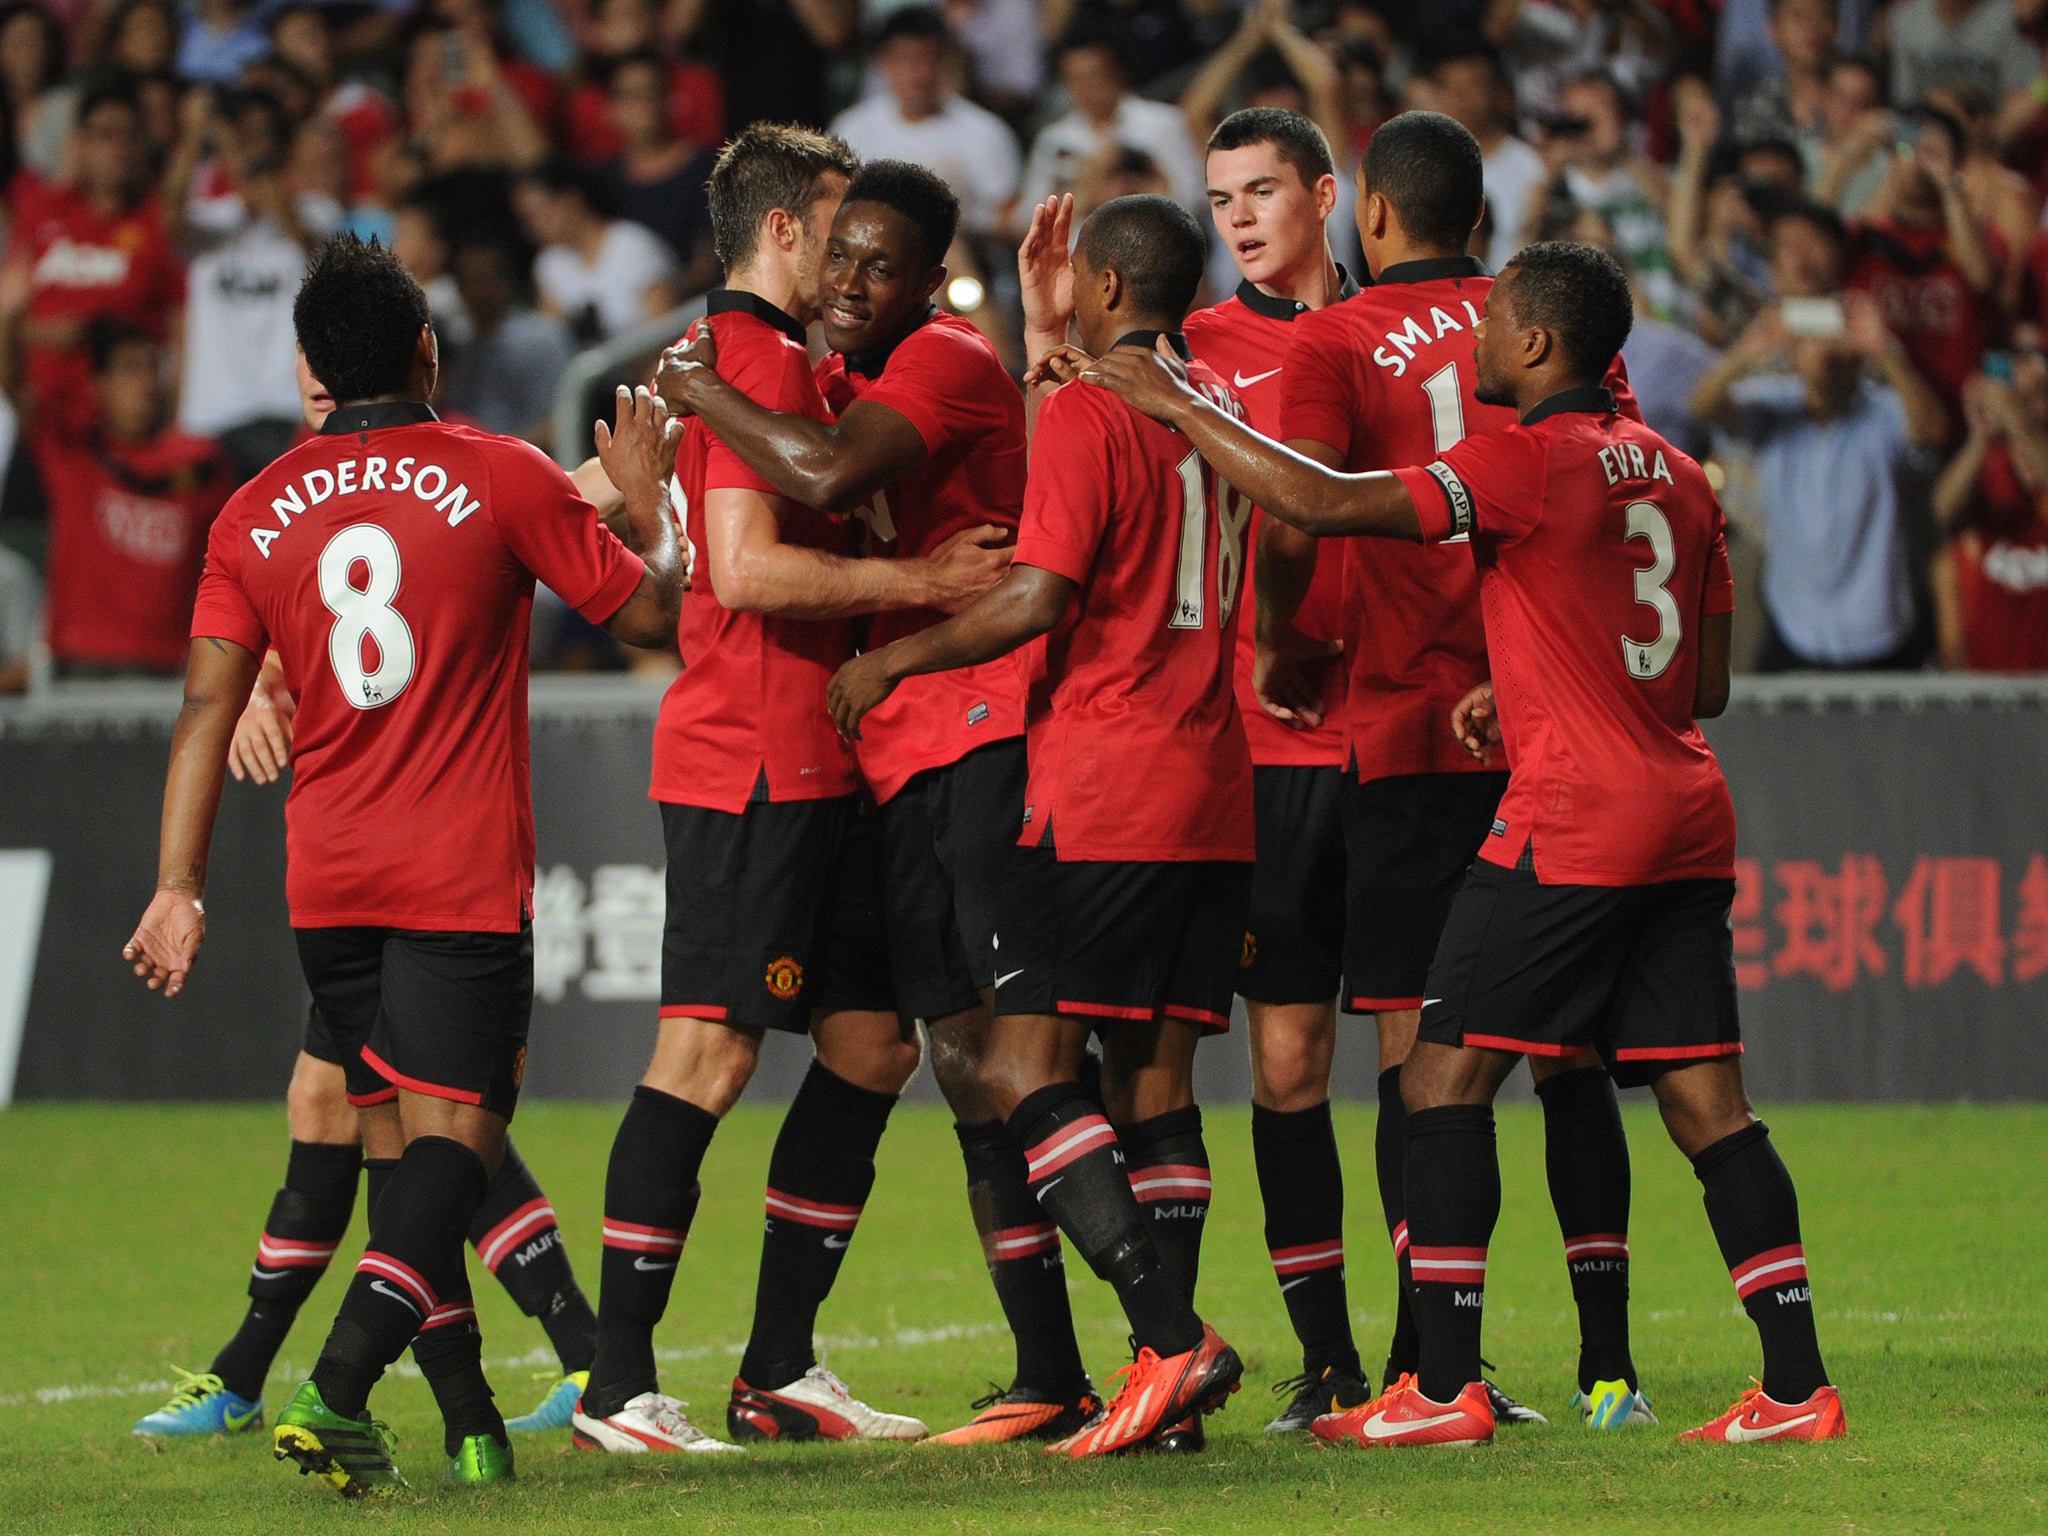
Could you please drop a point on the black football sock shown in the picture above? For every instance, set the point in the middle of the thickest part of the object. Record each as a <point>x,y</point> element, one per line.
<point>650,1197</point>
<point>1390,1162</point>
<point>516,1236</point>
<point>449,1352</point>
<point>819,1176</point>
<point>1755,1212</point>
<point>377,1173</point>
<point>1022,1246</point>
<point>307,1220</point>
<point>1586,1157</point>
<point>1453,1202</point>
<point>1075,1168</point>
<point>1302,1183</point>
<point>415,1252</point>
<point>1169,1172</point>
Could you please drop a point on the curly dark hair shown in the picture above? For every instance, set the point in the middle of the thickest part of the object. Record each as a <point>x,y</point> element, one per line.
<point>1577,292</point>
<point>358,316</point>
<point>916,193</point>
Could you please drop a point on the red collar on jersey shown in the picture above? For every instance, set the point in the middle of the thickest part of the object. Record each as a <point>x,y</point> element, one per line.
<point>1150,339</point>
<point>1596,398</point>
<point>369,415</point>
<point>1273,308</point>
<point>727,301</point>
<point>869,364</point>
<point>1431,269</point>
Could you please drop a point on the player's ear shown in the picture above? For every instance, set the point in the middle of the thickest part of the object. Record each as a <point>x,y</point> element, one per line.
<point>1325,191</point>
<point>1481,218</point>
<point>1372,216</point>
<point>1111,284</point>
<point>934,280</point>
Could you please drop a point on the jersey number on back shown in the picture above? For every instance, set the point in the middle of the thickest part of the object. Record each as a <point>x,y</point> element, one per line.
<point>370,646</point>
<point>1233,513</point>
<point>1647,660</point>
<point>1446,418</point>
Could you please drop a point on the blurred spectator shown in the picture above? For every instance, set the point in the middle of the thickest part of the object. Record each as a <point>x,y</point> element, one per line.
<point>21,619</point>
<point>1933,270</point>
<point>918,117</point>
<point>130,501</point>
<point>1833,445</point>
<point>32,53</point>
<point>1106,114</point>
<point>419,239</point>
<point>773,55</point>
<point>1990,579</point>
<point>1998,197</point>
<point>1116,170</point>
<point>1153,37</point>
<point>1550,43</point>
<point>1473,86</point>
<point>1947,43</point>
<point>503,377</point>
<point>1715,230</point>
<point>1006,50</point>
<point>623,29</point>
<point>93,250</point>
<point>1268,62</point>
<point>366,118</point>
<point>1747,53</point>
<point>1793,104</point>
<point>601,274</point>
<point>1599,167</point>
<point>1857,154</point>
<point>658,180</point>
<point>221,38</point>
<point>248,244</point>
<point>462,106</point>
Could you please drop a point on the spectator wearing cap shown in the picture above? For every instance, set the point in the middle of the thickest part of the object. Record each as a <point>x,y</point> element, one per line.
<point>599,273</point>
<point>918,117</point>
<point>1990,578</point>
<point>658,179</point>
<point>1473,86</point>
<point>503,377</point>
<point>1107,114</point>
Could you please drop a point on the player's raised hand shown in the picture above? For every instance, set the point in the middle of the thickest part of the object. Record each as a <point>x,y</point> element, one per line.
<point>1062,365</point>
<point>1280,679</point>
<point>639,451</point>
<point>684,367</point>
<point>1045,271</point>
<point>966,565</point>
<point>857,687</point>
<point>1154,382</point>
<point>1476,723</point>
<point>166,942</point>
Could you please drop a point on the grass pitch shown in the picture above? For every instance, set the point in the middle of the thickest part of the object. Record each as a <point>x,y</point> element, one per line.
<point>125,1236</point>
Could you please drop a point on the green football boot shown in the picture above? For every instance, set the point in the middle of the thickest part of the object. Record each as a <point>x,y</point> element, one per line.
<point>352,1454</point>
<point>479,1460</point>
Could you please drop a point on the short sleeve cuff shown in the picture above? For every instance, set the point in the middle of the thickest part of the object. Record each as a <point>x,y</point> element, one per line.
<point>612,593</point>
<point>1049,555</point>
<point>1442,503</point>
<point>1316,422</point>
<point>215,624</point>
<point>913,410</point>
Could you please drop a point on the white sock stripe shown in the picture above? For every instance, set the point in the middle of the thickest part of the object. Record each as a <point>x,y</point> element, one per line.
<point>1071,1143</point>
<point>1314,1259</point>
<point>511,1234</point>
<point>646,1242</point>
<point>1749,1277</point>
<point>1437,1266</point>
<point>398,1274</point>
<point>288,1253</point>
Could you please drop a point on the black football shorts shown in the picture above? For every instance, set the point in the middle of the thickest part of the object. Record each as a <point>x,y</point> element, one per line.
<point>947,837</point>
<point>444,1014</point>
<point>1294,937</point>
<point>364,1085</point>
<point>1408,841</point>
<point>773,913</point>
<point>1644,974</point>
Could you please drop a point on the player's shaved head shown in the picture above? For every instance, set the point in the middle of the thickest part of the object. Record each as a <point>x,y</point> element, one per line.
<point>1295,139</point>
<point>358,316</point>
<point>1579,294</point>
<point>765,167</point>
<point>922,198</point>
<point>1428,168</point>
<point>1154,245</point>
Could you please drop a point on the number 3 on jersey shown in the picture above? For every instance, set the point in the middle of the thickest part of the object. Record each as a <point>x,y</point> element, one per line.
<point>370,646</point>
<point>1647,659</point>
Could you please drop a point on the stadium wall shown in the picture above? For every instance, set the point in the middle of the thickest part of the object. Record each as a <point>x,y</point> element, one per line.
<point>1891,924</point>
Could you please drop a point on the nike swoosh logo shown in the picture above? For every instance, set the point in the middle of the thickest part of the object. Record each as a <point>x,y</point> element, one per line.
<point>1246,383</point>
<point>1379,1428</point>
<point>643,1263</point>
<point>235,1420</point>
<point>836,1243</point>
<point>258,1273</point>
<point>1010,976</point>
<point>398,1296</point>
<point>1288,1285</point>
<point>1742,1435</point>
<point>1431,1002</point>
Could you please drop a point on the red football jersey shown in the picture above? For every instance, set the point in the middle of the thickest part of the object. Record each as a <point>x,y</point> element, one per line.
<point>1245,340</point>
<point>2001,566</point>
<point>749,704</point>
<point>945,380</point>
<point>391,561</point>
<point>1602,549</point>
<point>86,266</point>
<point>1386,380</point>
<point>1943,323</point>
<point>1136,749</point>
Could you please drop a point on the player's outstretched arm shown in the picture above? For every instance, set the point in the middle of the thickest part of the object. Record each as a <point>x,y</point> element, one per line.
<point>638,454</point>
<point>1297,490</point>
<point>833,466</point>
<point>166,942</point>
<point>1025,604</point>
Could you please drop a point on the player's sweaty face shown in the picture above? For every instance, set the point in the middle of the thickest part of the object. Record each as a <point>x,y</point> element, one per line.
<point>825,200</point>
<point>872,283</point>
<point>1263,210</point>
<point>1495,338</point>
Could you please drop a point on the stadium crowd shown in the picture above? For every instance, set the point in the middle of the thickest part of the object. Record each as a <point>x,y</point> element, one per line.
<point>1832,212</point>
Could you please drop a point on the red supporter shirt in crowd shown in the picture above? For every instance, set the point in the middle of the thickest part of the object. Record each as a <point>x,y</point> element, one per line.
<point>128,528</point>
<point>391,562</point>
<point>2001,563</point>
<point>746,717</point>
<point>1942,322</point>
<point>1245,339</point>
<point>945,380</point>
<point>1385,379</point>
<point>84,266</point>
<point>696,112</point>
<point>1135,745</point>
<point>1603,550</point>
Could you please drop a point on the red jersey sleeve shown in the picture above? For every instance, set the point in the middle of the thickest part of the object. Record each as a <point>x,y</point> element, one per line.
<point>937,384</point>
<point>1066,500</point>
<point>1481,485</point>
<point>1317,397</point>
<point>556,534</point>
<point>222,610</point>
<point>777,378</point>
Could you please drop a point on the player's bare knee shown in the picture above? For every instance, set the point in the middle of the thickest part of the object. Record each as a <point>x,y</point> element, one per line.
<point>1397,1028</point>
<point>1703,1104</point>
<point>703,1062</point>
<point>1291,1052</point>
<point>875,1051</point>
<point>1434,1076</point>
<point>316,1104</point>
<point>955,1047</point>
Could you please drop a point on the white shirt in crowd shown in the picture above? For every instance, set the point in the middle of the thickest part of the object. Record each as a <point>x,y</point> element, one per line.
<point>966,145</point>
<point>1513,171</point>
<point>239,349</point>
<point>603,297</point>
<point>1156,127</point>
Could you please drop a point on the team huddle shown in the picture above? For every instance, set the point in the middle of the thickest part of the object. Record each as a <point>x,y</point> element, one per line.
<point>1019,733</point>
